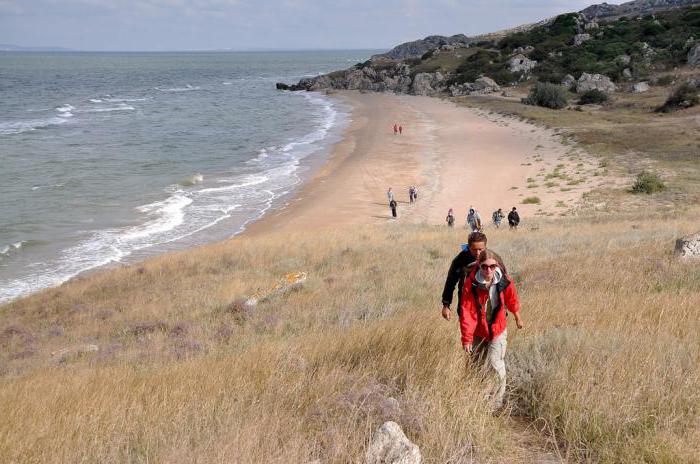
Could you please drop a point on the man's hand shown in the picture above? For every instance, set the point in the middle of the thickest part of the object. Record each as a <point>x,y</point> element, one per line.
<point>518,321</point>
<point>468,348</point>
<point>446,313</point>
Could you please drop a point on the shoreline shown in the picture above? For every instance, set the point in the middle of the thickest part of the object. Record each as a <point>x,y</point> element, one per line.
<point>457,156</point>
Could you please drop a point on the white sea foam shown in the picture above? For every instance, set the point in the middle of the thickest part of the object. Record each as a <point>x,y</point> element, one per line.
<point>227,83</point>
<point>7,249</point>
<point>120,107</point>
<point>193,180</point>
<point>184,212</point>
<point>18,127</point>
<point>127,100</point>
<point>95,100</point>
<point>187,88</point>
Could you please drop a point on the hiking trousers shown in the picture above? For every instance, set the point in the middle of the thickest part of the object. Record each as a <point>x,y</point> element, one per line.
<point>491,355</point>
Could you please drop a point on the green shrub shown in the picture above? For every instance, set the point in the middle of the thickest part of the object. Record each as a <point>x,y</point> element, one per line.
<point>531,201</point>
<point>685,96</point>
<point>429,54</point>
<point>648,182</point>
<point>547,95</point>
<point>593,96</point>
<point>664,80</point>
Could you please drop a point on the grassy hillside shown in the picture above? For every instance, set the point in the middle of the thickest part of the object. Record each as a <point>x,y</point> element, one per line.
<point>606,369</point>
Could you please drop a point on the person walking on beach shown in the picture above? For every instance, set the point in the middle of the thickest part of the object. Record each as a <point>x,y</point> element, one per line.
<point>474,220</point>
<point>411,192</point>
<point>390,195</point>
<point>487,293</point>
<point>498,217</point>
<point>400,130</point>
<point>459,269</point>
<point>392,205</point>
<point>450,219</point>
<point>513,219</point>
<point>415,193</point>
<point>396,129</point>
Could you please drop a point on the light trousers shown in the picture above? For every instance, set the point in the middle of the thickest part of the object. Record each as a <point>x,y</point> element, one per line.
<point>491,355</point>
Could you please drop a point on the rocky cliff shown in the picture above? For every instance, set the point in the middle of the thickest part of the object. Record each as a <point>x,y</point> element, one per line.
<point>634,8</point>
<point>418,48</point>
<point>591,49</point>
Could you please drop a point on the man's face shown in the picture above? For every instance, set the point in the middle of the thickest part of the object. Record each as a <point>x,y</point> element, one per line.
<point>476,248</point>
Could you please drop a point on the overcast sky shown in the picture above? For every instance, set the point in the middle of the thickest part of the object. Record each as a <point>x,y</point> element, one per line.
<point>258,24</point>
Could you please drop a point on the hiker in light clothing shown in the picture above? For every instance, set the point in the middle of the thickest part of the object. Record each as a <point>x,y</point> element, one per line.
<point>487,293</point>
<point>474,220</point>
<point>390,195</point>
<point>498,217</point>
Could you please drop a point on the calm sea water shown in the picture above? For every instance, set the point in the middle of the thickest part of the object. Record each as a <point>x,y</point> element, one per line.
<point>111,157</point>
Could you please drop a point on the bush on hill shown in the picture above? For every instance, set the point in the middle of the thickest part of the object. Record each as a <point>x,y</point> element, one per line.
<point>547,95</point>
<point>652,41</point>
<point>484,63</point>
<point>593,96</point>
<point>648,182</point>
<point>684,96</point>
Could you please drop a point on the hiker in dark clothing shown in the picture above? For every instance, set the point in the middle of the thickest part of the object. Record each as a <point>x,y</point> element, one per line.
<point>459,270</point>
<point>392,205</point>
<point>513,219</point>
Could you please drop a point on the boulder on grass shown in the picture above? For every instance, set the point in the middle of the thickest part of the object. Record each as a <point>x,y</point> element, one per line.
<point>595,81</point>
<point>688,247</point>
<point>390,446</point>
<point>694,56</point>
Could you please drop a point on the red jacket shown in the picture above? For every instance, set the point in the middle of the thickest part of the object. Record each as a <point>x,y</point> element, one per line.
<point>473,318</point>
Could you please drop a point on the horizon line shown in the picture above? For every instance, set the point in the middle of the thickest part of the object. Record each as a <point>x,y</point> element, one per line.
<point>49,49</point>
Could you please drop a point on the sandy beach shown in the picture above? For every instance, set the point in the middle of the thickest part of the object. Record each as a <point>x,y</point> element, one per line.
<point>457,157</point>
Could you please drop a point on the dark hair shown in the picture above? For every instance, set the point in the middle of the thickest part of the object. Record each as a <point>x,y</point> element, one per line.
<point>477,237</point>
<point>490,254</point>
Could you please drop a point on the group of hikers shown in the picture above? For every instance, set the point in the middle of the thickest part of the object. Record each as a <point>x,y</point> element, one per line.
<point>474,219</point>
<point>412,198</point>
<point>484,292</point>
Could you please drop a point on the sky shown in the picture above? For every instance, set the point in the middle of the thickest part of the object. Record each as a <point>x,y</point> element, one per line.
<point>163,25</point>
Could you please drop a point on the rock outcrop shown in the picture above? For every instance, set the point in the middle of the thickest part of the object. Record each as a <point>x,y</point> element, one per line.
<point>417,48</point>
<point>581,38</point>
<point>521,63</point>
<point>595,81</point>
<point>481,86</point>
<point>624,59</point>
<point>640,87</point>
<point>688,246</point>
<point>569,81</point>
<point>635,8</point>
<point>395,77</point>
<point>427,83</point>
<point>694,56</point>
<point>390,446</point>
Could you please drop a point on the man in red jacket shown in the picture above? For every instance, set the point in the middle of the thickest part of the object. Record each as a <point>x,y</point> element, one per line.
<point>487,293</point>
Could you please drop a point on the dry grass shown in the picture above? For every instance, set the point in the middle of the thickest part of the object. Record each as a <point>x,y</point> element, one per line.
<point>607,367</point>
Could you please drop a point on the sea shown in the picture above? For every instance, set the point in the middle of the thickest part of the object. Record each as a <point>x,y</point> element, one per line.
<point>108,158</point>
